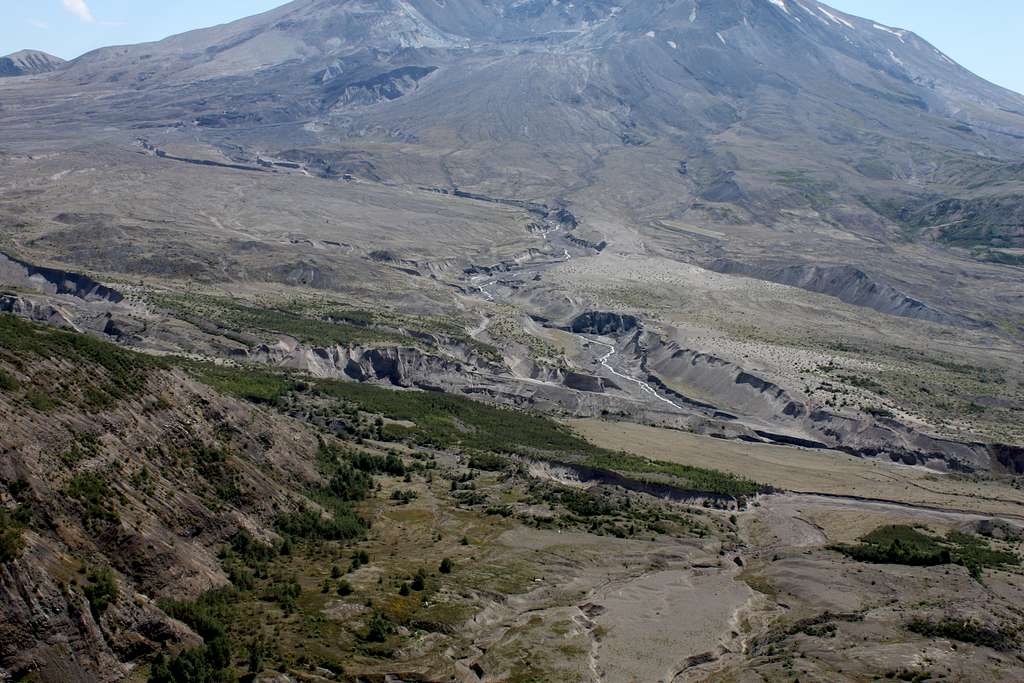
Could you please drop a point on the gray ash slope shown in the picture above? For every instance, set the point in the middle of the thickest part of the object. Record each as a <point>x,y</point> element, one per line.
<point>28,62</point>
<point>770,118</point>
<point>546,72</point>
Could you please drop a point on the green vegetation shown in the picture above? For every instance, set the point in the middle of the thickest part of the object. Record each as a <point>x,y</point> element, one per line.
<point>248,549</point>
<point>688,477</point>
<point>878,411</point>
<point>974,553</point>
<point>490,462</point>
<point>343,525</point>
<point>898,544</point>
<point>93,492</point>
<point>85,445</point>
<point>8,382</point>
<point>997,256</point>
<point>257,386</point>
<point>444,421</point>
<point>39,400</point>
<point>815,192</point>
<point>378,629</point>
<point>605,511</point>
<point>440,420</point>
<point>349,484</point>
<point>11,542</point>
<point>824,625</point>
<point>967,631</point>
<point>909,675</point>
<point>124,372</point>
<point>101,591</point>
<point>214,465</point>
<point>403,497</point>
<point>14,520</point>
<point>584,503</point>
<point>348,480</point>
<point>208,616</point>
<point>240,318</point>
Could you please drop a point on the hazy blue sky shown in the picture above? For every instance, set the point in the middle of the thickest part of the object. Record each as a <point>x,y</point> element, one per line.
<point>984,36</point>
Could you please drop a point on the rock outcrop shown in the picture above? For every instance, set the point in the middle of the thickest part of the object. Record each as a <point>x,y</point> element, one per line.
<point>54,281</point>
<point>602,323</point>
<point>846,283</point>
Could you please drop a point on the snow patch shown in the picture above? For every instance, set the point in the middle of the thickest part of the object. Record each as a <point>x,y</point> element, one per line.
<point>892,55</point>
<point>898,34</point>
<point>838,20</point>
<point>693,13</point>
<point>816,16</point>
<point>720,37</point>
<point>672,44</point>
<point>781,4</point>
<point>649,34</point>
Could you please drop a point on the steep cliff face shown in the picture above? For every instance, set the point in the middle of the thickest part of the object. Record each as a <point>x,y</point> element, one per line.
<point>120,473</point>
<point>396,365</point>
<point>603,323</point>
<point>54,280</point>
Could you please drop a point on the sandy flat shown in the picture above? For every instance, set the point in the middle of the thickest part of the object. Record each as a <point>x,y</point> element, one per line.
<point>805,470</point>
<point>658,621</point>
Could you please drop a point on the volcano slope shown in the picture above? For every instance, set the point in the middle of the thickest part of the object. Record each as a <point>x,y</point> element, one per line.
<point>762,221</point>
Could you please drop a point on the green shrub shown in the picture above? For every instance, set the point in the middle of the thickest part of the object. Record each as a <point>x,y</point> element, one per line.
<point>379,628</point>
<point>285,593</point>
<point>208,616</point>
<point>124,372</point>
<point>8,382</point>
<point>249,550</point>
<point>688,477</point>
<point>258,386</point>
<point>583,503</point>
<point>447,566</point>
<point>39,400</point>
<point>974,551</point>
<point>343,525</point>
<point>377,464</point>
<point>11,542</point>
<point>19,488</point>
<point>879,411</point>
<point>404,497</point>
<point>899,544</point>
<point>349,484</point>
<point>490,462</point>
<point>967,631</point>
<point>101,591</point>
<point>93,492</point>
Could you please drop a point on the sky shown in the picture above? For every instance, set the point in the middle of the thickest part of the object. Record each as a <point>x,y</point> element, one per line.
<point>984,36</point>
